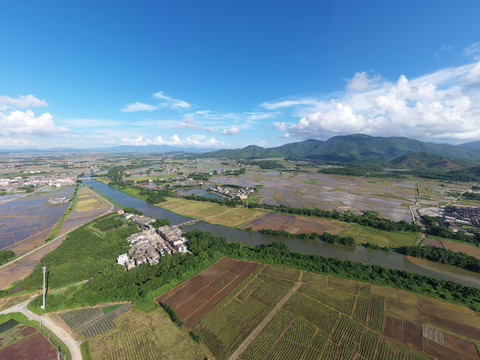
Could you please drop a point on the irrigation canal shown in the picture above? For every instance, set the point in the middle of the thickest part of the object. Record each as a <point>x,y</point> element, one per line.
<point>391,260</point>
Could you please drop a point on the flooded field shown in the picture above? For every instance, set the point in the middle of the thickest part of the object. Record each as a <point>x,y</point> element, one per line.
<point>390,197</point>
<point>88,207</point>
<point>30,219</point>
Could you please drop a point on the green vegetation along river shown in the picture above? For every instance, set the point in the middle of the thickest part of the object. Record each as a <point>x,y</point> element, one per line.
<point>389,260</point>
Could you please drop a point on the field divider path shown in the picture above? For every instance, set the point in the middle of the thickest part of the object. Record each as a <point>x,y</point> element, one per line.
<point>60,236</point>
<point>267,319</point>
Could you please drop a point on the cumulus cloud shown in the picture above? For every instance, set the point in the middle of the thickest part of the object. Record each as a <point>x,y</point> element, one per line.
<point>16,142</point>
<point>138,106</point>
<point>232,130</point>
<point>20,102</point>
<point>444,105</point>
<point>25,123</point>
<point>280,125</point>
<point>197,141</point>
<point>361,81</point>
<point>171,102</point>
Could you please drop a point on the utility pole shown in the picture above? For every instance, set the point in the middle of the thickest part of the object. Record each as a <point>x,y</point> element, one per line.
<point>44,289</point>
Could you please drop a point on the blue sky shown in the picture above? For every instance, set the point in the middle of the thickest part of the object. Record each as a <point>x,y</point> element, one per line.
<point>232,73</point>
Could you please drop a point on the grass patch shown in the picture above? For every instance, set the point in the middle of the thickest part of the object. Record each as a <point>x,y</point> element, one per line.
<point>364,234</point>
<point>193,209</point>
<point>237,217</point>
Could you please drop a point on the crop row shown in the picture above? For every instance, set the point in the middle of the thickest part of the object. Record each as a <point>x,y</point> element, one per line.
<point>77,318</point>
<point>100,326</point>
<point>316,347</point>
<point>295,341</point>
<point>259,347</point>
<point>249,289</point>
<point>272,290</point>
<point>330,352</point>
<point>224,333</point>
<point>346,327</point>
<point>361,311</point>
<point>347,349</point>
<point>388,349</point>
<point>219,307</point>
<point>368,345</point>
<point>318,314</point>
<point>377,313</point>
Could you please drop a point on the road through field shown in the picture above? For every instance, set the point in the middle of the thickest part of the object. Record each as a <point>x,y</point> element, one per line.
<point>265,321</point>
<point>72,344</point>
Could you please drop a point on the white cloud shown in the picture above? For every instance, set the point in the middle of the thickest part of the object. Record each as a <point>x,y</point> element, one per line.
<point>190,123</point>
<point>280,125</point>
<point>472,50</point>
<point>233,130</point>
<point>89,123</point>
<point>171,102</point>
<point>22,102</point>
<point>288,103</point>
<point>473,76</point>
<point>16,142</point>
<point>444,105</point>
<point>138,106</point>
<point>197,141</point>
<point>361,81</point>
<point>25,123</point>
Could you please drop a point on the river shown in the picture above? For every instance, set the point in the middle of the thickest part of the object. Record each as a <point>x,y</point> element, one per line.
<point>391,260</point>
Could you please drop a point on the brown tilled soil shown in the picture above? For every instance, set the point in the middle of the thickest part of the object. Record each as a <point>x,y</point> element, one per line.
<point>462,346</point>
<point>441,352</point>
<point>412,334</point>
<point>195,297</point>
<point>432,242</point>
<point>32,347</point>
<point>393,328</point>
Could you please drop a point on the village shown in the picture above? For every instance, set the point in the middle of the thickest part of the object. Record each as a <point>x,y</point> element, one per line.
<point>233,193</point>
<point>458,216</point>
<point>149,245</point>
<point>19,182</point>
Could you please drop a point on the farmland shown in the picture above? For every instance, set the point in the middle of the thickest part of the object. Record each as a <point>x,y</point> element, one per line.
<point>297,224</point>
<point>91,322</point>
<point>363,234</point>
<point>79,215</point>
<point>140,335</point>
<point>20,341</point>
<point>454,246</point>
<point>27,221</point>
<point>193,298</point>
<point>332,318</point>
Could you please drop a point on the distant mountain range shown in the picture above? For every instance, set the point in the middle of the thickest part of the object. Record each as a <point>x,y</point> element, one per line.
<point>399,152</point>
<point>354,148</point>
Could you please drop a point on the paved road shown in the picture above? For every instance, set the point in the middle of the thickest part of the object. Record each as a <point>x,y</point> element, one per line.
<point>60,236</point>
<point>265,321</point>
<point>72,344</point>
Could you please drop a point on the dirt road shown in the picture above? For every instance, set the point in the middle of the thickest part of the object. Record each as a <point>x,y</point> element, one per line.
<point>72,344</point>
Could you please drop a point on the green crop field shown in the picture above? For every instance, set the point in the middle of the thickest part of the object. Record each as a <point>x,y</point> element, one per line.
<point>325,318</point>
<point>145,336</point>
<point>363,234</point>
<point>192,208</point>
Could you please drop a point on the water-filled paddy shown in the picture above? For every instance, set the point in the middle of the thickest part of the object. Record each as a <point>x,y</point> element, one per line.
<point>30,217</point>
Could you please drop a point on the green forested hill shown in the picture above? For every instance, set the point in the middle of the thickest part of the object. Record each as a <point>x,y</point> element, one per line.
<point>350,148</point>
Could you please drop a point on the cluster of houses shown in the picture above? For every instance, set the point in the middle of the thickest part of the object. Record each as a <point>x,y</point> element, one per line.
<point>149,245</point>
<point>58,200</point>
<point>233,193</point>
<point>11,185</point>
<point>458,216</point>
